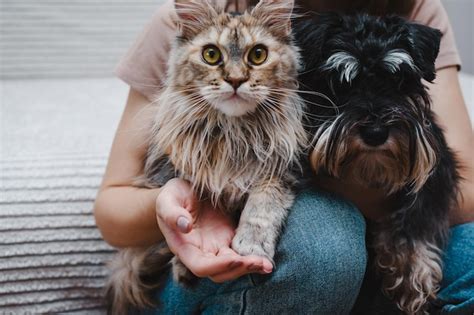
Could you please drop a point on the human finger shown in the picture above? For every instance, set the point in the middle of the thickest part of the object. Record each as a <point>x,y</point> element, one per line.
<point>247,265</point>
<point>204,264</point>
<point>172,213</point>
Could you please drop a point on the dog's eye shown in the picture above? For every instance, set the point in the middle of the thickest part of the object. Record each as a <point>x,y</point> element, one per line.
<point>258,55</point>
<point>427,123</point>
<point>212,55</point>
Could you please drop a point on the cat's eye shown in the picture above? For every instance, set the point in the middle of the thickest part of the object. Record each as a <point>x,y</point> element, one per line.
<point>258,55</point>
<point>212,55</point>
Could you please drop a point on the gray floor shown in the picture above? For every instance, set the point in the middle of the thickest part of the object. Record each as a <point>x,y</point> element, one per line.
<point>54,117</point>
<point>55,138</point>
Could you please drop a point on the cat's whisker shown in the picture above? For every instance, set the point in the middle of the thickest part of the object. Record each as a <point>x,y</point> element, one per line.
<point>272,107</point>
<point>308,70</point>
<point>193,103</point>
<point>336,109</point>
<point>305,112</point>
<point>333,105</point>
<point>308,92</point>
<point>185,92</point>
<point>177,120</point>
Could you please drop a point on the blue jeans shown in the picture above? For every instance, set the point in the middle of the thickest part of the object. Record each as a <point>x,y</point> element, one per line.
<point>321,262</point>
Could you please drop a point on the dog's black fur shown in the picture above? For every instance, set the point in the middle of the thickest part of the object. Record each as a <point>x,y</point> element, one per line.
<point>376,128</point>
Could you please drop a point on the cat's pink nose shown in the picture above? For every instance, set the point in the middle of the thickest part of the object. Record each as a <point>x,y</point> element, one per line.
<point>235,82</point>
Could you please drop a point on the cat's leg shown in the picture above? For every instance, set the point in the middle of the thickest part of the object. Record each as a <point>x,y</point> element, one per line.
<point>262,219</point>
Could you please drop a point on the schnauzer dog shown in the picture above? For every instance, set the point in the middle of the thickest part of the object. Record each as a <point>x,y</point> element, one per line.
<point>378,130</point>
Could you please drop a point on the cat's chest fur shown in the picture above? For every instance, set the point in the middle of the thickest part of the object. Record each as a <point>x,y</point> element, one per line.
<point>221,169</point>
<point>220,165</point>
<point>225,158</point>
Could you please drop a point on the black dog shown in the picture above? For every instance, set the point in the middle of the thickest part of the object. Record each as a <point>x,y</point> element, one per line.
<point>378,130</point>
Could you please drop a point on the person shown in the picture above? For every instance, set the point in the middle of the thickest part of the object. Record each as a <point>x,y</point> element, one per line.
<point>321,257</point>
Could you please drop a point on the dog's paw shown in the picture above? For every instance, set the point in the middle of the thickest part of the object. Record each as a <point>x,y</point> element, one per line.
<point>245,244</point>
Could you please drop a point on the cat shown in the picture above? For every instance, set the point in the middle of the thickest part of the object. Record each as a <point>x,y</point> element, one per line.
<point>230,121</point>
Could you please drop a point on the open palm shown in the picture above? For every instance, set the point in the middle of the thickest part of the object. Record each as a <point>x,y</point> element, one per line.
<point>204,243</point>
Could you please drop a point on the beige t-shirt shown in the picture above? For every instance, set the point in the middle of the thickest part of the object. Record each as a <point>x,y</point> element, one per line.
<point>145,64</point>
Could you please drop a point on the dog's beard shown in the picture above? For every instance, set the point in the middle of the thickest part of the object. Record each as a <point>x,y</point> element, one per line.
<point>375,168</point>
<point>404,161</point>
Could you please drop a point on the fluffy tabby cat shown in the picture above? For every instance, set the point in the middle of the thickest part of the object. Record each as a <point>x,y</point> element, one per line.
<point>229,120</point>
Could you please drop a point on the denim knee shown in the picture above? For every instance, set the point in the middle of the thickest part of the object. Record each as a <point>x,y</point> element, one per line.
<point>320,261</point>
<point>457,291</point>
<point>320,265</point>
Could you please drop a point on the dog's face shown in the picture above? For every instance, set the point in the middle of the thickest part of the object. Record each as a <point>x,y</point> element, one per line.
<point>377,128</point>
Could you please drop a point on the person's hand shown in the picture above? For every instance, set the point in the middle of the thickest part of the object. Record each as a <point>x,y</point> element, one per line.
<point>201,235</point>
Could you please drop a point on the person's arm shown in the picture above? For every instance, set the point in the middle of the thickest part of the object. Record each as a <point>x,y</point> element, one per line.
<point>449,105</point>
<point>133,217</point>
<point>125,214</point>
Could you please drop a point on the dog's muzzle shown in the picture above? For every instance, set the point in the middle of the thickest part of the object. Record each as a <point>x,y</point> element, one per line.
<point>374,135</point>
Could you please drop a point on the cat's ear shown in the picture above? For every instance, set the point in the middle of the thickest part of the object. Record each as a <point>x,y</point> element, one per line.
<point>194,16</point>
<point>276,15</point>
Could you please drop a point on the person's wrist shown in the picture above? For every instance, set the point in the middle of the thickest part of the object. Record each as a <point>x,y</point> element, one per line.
<point>152,195</point>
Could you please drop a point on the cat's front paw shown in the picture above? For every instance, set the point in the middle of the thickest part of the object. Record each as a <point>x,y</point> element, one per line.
<point>245,244</point>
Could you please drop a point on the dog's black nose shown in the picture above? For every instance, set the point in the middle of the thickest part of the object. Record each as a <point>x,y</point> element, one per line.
<point>374,135</point>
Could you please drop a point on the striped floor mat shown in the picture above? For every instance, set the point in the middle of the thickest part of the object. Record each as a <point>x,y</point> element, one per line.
<point>51,254</point>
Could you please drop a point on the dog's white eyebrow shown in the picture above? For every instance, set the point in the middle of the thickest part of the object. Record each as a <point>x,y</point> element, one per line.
<point>395,57</point>
<point>347,64</point>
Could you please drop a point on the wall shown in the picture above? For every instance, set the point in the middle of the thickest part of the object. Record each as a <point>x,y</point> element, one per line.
<point>461,13</point>
<point>67,38</point>
<point>85,38</point>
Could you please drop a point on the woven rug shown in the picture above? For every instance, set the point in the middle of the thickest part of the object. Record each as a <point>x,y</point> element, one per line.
<point>55,137</point>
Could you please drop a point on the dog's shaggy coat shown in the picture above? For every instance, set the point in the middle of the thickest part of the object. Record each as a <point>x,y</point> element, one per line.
<point>378,131</point>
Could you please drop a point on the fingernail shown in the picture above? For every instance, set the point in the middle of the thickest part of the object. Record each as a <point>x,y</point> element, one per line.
<point>183,224</point>
<point>267,270</point>
<point>267,265</point>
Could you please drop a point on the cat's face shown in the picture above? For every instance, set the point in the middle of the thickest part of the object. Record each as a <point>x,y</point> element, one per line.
<point>235,63</point>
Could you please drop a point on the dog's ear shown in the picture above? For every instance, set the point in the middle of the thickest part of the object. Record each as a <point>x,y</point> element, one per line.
<point>424,42</point>
<point>311,36</point>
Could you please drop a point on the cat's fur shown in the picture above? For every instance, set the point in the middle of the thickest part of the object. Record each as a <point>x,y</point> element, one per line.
<point>236,151</point>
